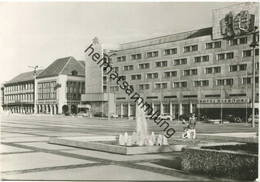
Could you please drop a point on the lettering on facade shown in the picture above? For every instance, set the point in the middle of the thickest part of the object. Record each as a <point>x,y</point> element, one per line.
<point>225,101</point>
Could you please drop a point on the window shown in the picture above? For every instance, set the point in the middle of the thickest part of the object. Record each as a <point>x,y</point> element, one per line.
<point>152,54</point>
<point>257,52</point>
<point>230,55</point>
<point>217,69</point>
<point>222,82</point>
<point>191,48</point>
<point>242,67</point>
<point>161,64</point>
<point>136,56</point>
<point>144,86</point>
<point>233,42</point>
<point>209,70</point>
<point>170,51</point>
<point>229,81</point>
<point>136,77</point>
<point>160,85</point>
<point>190,72</point>
<point>128,68</point>
<point>144,66</point>
<point>197,59</point>
<point>247,53</point>
<point>181,84</point>
<point>205,58</point>
<point>152,75</point>
<point>169,74</point>
<point>243,40</point>
<point>221,56</point>
<point>199,83</point>
<point>233,68</point>
<point>121,58</point>
<point>248,80</point>
<point>213,45</point>
<point>180,61</point>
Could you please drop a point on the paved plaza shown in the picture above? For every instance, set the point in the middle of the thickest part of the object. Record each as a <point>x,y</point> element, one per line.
<point>27,155</point>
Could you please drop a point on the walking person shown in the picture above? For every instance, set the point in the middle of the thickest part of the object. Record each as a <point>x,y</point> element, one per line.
<point>191,126</point>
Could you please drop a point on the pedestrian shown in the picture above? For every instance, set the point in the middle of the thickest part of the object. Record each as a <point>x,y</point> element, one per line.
<point>191,126</point>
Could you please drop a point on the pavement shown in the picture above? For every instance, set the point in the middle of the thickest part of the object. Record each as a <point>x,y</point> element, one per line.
<point>27,155</point>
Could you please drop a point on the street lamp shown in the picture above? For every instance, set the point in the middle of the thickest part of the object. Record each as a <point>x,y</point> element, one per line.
<point>253,46</point>
<point>35,86</point>
<point>108,85</point>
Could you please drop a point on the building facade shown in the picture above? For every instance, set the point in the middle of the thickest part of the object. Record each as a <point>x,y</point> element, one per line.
<point>201,71</point>
<point>18,93</point>
<point>59,87</point>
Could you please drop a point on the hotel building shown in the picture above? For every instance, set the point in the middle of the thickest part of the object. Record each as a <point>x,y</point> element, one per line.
<point>206,71</point>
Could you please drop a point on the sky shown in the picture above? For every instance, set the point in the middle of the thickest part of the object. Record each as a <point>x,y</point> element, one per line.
<point>37,33</point>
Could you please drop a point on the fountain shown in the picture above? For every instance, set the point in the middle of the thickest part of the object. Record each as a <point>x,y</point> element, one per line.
<point>139,142</point>
<point>141,136</point>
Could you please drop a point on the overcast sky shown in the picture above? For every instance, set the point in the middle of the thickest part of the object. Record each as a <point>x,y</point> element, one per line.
<point>38,33</point>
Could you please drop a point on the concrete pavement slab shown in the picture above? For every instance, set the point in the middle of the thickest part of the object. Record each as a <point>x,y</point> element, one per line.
<point>109,172</point>
<point>36,160</point>
<point>11,149</point>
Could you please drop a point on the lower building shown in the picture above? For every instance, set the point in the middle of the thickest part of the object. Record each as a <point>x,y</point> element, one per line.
<point>18,93</point>
<point>59,87</point>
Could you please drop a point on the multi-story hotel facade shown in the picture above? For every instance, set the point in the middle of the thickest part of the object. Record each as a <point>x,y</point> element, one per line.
<point>203,71</point>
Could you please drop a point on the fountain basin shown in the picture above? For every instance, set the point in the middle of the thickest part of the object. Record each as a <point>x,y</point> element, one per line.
<point>110,144</point>
<point>232,160</point>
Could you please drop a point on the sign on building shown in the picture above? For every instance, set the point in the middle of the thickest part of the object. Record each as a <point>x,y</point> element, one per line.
<point>235,20</point>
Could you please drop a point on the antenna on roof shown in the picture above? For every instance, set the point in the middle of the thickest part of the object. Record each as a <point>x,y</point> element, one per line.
<point>34,69</point>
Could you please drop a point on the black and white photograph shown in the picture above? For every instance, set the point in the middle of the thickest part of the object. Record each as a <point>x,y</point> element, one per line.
<point>129,90</point>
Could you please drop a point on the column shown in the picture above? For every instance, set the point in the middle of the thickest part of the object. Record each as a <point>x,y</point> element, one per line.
<point>161,107</point>
<point>153,107</point>
<point>51,109</point>
<point>191,108</point>
<point>171,108</point>
<point>128,110</point>
<point>180,109</point>
<point>121,110</point>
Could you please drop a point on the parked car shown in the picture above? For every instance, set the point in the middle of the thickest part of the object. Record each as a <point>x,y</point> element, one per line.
<point>250,118</point>
<point>202,117</point>
<point>232,119</point>
<point>184,117</point>
<point>114,115</point>
<point>83,114</point>
<point>166,117</point>
<point>100,114</point>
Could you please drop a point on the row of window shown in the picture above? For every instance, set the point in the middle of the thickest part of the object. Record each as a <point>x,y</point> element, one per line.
<point>191,72</point>
<point>19,98</point>
<point>182,61</point>
<point>76,87</point>
<point>47,90</point>
<point>20,87</point>
<point>186,49</point>
<point>196,83</point>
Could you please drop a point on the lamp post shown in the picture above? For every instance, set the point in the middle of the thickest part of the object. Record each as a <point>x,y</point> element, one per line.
<point>35,87</point>
<point>108,85</point>
<point>253,46</point>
